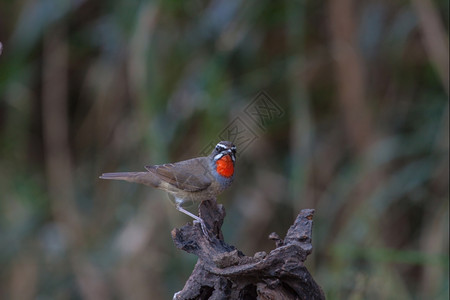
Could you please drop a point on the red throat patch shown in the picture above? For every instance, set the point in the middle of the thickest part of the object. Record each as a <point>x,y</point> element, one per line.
<point>225,166</point>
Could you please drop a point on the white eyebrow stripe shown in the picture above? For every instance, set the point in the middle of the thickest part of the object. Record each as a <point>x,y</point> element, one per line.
<point>222,146</point>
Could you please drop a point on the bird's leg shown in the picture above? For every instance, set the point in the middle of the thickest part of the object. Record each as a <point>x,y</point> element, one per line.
<point>198,219</point>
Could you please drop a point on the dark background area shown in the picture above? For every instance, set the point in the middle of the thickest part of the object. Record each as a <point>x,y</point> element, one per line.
<point>356,127</point>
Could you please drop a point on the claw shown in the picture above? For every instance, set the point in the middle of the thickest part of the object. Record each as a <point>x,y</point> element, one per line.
<point>203,226</point>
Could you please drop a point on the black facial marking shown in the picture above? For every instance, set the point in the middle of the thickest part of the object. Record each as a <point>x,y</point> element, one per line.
<point>225,148</point>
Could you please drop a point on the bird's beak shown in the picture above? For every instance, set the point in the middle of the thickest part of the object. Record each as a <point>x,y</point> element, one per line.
<point>230,152</point>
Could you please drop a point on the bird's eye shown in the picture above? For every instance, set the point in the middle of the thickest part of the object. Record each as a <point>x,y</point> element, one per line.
<point>217,148</point>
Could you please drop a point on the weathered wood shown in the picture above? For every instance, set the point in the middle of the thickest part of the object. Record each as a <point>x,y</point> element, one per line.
<point>223,272</point>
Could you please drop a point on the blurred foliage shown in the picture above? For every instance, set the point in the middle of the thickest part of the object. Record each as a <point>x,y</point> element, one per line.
<point>88,87</point>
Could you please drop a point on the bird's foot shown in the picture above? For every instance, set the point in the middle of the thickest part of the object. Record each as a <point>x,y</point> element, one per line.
<point>196,220</point>
<point>204,228</point>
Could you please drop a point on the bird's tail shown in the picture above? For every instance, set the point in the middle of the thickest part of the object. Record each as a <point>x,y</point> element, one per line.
<point>146,178</point>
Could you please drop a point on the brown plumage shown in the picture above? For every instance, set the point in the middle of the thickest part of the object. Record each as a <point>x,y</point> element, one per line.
<point>193,180</point>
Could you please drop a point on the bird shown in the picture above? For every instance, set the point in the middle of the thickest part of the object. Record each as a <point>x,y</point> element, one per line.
<point>188,181</point>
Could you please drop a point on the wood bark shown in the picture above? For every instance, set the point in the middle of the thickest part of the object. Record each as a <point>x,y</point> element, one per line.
<point>224,272</point>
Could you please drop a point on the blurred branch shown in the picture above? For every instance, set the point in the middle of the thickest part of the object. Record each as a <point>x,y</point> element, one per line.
<point>222,270</point>
<point>349,73</point>
<point>59,166</point>
<point>435,38</point>
<point>56,130</point>
<point>432,243</point>
<point>24,277</point>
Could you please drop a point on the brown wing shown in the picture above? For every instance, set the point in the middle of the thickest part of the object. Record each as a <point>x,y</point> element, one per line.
<point>189,175</point>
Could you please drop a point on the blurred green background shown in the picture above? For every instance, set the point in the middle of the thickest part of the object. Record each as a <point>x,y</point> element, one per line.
<point>361,135</point>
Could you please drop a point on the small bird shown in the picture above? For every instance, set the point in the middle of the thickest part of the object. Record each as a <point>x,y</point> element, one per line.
<point>192,180</point>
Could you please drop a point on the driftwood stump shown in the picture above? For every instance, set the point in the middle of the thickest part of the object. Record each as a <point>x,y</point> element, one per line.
<point>223,272</point>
